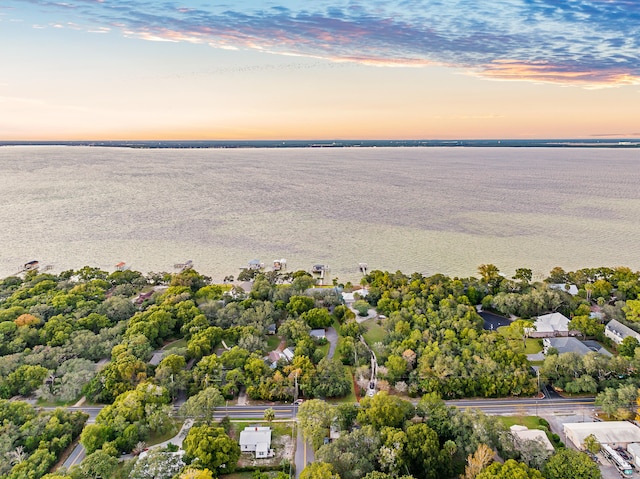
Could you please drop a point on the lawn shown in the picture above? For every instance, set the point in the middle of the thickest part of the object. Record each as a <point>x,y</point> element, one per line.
<point>272,342</point>
<point>374,332</point>
<point>533,346</point>
<point>180,343</point>
<point>532,422</point>
<point>158,438</point>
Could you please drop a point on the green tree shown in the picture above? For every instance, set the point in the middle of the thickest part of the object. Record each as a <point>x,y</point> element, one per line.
<point>317,318</point>
<point>294,330</point>
<point>331,379</point>
<point>319,470</point>
<point>523,274</point>
<point>570,464</point>
<point>300,304</point>
<point>362,307</point>
<point>384,410</point>
<point>628,347</point>
<point>26,379</point>
<point>210,447</point>
<point>203,405</point>
<point>99,465</point>
<point>396,368</point>
<point>587,326</point>
<point>632,309</point>
<point>94,436</point>
<point>618,402</point>
<point>520,329</point>
<point>591,444</point>
<point>269,414</point>
<point>190,473</point>
<point>423,452</point>
<point>510,470</point>
<point>352,455</point>
<point>315,417</point>
<point>490,275</point>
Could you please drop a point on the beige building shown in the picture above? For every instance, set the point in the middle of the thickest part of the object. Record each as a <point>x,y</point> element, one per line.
<point>614,433</point>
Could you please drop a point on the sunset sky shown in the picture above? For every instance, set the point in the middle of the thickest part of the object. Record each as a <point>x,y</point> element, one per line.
<point>286,69</point>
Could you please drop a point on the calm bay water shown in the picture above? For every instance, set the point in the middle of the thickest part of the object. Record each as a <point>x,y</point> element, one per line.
<point>411,209</point>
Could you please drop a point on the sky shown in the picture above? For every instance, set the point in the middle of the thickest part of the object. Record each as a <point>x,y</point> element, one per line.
<point>288,69</point>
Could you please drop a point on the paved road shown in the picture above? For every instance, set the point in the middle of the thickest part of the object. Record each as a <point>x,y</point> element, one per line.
<point>517,406</point>
<point>304,452</point>
<point>76,457</point>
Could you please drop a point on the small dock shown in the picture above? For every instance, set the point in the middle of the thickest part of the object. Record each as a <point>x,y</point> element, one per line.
<point>363,268</point>
<point>279,264</point>
<point>321,270</point>
<point>183,266</point>
<point>122,266</point>
<point>254,265</point>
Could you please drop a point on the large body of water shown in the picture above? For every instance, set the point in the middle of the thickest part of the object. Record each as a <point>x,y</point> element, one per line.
<point>429,210</point>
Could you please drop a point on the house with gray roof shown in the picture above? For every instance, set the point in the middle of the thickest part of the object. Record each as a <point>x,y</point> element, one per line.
<point>572,345</point>
<point>617,331</point>
<point>318,334</point>
<point>256,439</point>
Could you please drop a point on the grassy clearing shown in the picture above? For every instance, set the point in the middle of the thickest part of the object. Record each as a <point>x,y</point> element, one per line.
<point>324,348</point>
<point>273,342</point>
<point>158,438</point>
<point>532,422</point>
<point>374,332</point>
<point>277,428</point>
<point>534,346</point>
<point>180,343</point>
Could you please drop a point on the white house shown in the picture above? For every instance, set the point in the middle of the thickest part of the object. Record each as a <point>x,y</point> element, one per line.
<point>256,439</point>
<point>350,298</point>
<point>288,354</point>
<point>550,325</point>
<point>617,331</point>
<point>572,289</point>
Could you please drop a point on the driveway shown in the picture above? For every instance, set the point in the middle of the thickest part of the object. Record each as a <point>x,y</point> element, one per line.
<point>332,336</point>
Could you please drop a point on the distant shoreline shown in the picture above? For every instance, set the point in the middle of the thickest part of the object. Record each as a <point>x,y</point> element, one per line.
<point>222,144</point>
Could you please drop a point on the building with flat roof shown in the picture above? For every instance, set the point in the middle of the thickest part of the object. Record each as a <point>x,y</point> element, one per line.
<point>614,433</point>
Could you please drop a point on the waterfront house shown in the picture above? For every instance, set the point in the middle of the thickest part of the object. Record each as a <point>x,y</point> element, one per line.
<point>572,289</point>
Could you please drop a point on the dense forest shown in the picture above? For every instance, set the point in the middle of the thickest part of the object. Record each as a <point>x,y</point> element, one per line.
<point>137,343</point>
